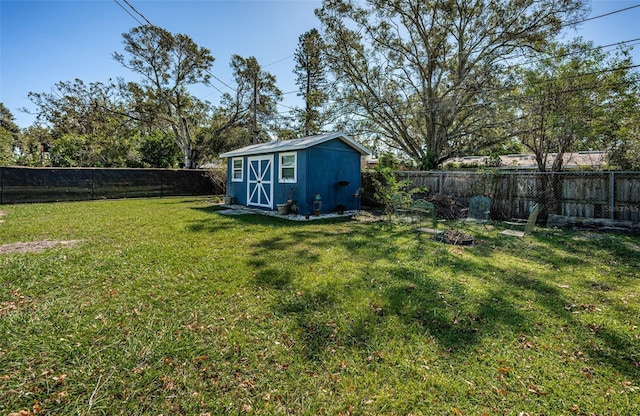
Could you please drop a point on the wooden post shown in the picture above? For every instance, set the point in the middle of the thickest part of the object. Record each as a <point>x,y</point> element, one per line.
<point>612,196</point>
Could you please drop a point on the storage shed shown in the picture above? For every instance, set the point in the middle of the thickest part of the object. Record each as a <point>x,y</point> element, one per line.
<point>265,175</point>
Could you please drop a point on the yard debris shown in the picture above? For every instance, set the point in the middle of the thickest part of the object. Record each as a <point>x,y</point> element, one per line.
<point>455,237</point>
<point>447,207</point>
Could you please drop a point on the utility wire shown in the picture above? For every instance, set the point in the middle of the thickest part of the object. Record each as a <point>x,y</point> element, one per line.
<point>610,45</point>
<point>128,12</point>
<point>151,24</point>
<point>599,16</point>
<point>140,14</point>
<point>278,61</point>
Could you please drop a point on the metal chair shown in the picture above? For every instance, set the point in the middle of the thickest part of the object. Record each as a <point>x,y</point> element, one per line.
<point>528,224</point>
<point>421,208</point>
<point>479,210</point>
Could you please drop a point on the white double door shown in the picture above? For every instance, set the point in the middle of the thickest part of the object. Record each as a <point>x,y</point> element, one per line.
<point>260,181</point>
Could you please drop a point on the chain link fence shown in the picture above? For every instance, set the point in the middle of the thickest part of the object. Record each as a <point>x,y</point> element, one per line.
<point>613,196</point>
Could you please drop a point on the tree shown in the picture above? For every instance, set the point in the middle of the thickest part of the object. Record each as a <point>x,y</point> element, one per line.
<point>575,98</point>
<point>34,146</point>
<point>169,64</point>
<point>311,80</point>
<point>9,136</point>
<point>424,74</point>
<point>88,124</point>
<point>257,92</point>
<point>158,150</point>
<point>237,122</point>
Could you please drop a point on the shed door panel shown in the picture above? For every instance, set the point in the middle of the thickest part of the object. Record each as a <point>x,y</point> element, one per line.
<point>260,181</point>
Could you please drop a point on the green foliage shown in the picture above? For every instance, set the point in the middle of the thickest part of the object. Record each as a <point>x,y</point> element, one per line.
<point>168,64</point>
<point>9,136</point>
<point>493,161</point>
<point>87,126</point>
<point>204,313</point>
<point>6,147</point>
<point>218,176</point>
<point>387,185</point>
<point>579,98</point>
<point>310,73</point>
<point>427,75</point>
<point>252,82</point>
<point>159,151</point>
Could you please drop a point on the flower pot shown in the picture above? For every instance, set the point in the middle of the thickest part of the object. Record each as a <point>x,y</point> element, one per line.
<point>227,200</point>
<point>283,209</point>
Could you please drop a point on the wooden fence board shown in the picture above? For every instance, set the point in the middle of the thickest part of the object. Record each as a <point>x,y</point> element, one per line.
<point>606,195</point>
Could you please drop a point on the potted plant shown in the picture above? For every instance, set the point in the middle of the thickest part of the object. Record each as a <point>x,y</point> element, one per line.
<point>340,208</point>
<point>283,209</point>
<point>227,200</point>
<point>288,192</point>
<point>317,205</point>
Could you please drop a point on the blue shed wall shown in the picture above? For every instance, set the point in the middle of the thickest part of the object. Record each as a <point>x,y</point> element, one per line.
<point>328,164</point>
<point>320,169</point>
<point>238,190</point>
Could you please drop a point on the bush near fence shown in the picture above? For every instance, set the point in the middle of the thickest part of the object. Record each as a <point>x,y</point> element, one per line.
<point>613,196</point>
<point>20,184</point>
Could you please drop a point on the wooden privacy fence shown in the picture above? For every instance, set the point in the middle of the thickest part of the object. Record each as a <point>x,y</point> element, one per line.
<point>19,184</point>
<point>592,195</point>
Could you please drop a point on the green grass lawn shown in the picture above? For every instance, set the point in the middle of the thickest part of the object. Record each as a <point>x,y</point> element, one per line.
<point>166,307</point>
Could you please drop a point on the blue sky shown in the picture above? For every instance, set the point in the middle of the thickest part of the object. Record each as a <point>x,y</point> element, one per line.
<point>47,41</point>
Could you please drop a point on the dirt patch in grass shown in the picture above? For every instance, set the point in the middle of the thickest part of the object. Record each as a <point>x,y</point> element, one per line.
<point>35,246</point>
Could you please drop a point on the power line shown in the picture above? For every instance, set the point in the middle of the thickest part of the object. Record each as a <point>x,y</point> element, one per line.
<point>140,14</point>
<point>128,12</point>
<point>278,61</point>
<point>152,25</point>
<point>602,15</point>
<point>578,51</point>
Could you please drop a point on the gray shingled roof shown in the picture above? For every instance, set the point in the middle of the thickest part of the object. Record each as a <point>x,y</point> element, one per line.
<point>592,159</point>
<point>295,144</point>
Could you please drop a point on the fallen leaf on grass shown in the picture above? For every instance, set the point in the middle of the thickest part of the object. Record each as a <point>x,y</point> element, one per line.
<point>36,409</point>
<point>504,370</point>
<point>629,386</point>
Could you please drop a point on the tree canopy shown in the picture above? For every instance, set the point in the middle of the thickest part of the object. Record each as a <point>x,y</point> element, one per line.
<point>169,64</point>
<point>424,74</point>
<point>310,70</point>
<point>575,98</point>
<point>9,136</point>
<point>424,79</point>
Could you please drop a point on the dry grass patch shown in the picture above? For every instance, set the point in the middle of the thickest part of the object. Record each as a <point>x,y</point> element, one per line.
<point>33,246</point>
